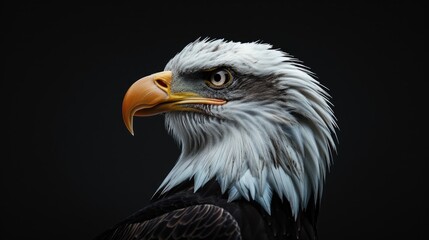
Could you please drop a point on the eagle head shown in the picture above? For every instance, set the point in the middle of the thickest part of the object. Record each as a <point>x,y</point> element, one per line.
<point>247,115</point>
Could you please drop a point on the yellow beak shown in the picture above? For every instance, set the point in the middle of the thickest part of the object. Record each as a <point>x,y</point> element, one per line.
<point>152,95</point>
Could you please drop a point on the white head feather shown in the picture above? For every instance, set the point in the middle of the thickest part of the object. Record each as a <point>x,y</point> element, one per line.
<point>260,147</point>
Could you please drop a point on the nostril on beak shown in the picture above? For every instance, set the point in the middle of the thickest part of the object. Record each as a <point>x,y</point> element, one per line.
<point>162,84</point>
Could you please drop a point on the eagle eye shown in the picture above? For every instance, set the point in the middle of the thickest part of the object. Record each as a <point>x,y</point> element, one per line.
<point>219,79</point>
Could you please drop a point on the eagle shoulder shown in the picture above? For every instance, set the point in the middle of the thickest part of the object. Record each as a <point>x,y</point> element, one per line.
<point>207,214</point>
<point>205,221</point>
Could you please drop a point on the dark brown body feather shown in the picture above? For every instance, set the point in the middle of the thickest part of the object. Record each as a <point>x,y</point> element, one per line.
<point>206,214</point>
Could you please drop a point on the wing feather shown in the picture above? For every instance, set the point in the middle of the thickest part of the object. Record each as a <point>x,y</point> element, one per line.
<point>205,221</point>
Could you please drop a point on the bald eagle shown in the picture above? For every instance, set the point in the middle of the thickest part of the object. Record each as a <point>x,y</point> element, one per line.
<point>257,133</point>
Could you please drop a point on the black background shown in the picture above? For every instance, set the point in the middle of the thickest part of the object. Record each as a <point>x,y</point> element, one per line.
<point>72,169</point>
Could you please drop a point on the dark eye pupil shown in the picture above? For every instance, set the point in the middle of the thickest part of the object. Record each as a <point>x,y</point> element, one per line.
<point>217,77</point>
